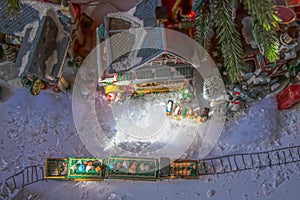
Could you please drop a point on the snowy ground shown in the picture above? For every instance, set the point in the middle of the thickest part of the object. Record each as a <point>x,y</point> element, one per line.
<point>34,128</point>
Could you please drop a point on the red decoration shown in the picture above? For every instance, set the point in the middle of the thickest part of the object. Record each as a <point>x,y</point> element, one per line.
<point>76,9</point>
<point>289,97</point>
<point>293,2</point>
<point>192,14</point>
<point>286,14</point>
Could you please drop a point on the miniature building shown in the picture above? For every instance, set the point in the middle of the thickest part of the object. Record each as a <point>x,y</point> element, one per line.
<point>86,17</point>
<point>12,29</point>
<point>260,64</point>
<point>145,69</point>
<point>44,49</point>
<point>289,97</point>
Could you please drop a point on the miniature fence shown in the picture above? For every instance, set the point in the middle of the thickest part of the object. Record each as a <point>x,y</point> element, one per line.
<point>248,161</point>
<point>27,176</point>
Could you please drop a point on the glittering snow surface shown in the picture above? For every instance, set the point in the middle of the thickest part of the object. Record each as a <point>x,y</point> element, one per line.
<point>34,128</point>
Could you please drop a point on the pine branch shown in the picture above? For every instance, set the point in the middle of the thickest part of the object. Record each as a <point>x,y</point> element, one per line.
<point>268,40</point>
<point>230,40</point>
<point>203,22</point>
<point>265,22</point>
<point>13,7</point>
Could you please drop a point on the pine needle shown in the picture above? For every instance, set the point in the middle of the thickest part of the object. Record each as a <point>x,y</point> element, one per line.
<point>13,7</point>
<point>230,40</point>
<point>264,15</point>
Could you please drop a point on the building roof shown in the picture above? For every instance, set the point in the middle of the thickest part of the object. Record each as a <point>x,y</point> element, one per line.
<point>136,51</point>
<point>43,50</point>
<point>145,11</point>
<point>140,40</point>
<point>10,25</point>
<point>15,26</point>
<point>129,51</point>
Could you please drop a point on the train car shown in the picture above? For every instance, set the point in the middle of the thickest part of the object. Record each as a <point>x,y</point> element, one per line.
<point>126,168</point>
<point>56,168</point>
<point>132,168</point>
<point>86,169</point>
<point>185,169</point>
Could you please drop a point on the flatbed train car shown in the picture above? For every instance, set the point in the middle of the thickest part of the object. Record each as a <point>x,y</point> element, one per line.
<point>125,168</point>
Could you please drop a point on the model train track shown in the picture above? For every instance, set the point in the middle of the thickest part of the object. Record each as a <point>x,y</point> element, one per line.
<point>27,176</point>
<point>248,161</point>
<point>210,166</point>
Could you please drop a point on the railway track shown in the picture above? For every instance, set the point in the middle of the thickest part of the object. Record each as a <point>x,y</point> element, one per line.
<point>210,166</point>
<point>248,161</point>
<point>27,176</point>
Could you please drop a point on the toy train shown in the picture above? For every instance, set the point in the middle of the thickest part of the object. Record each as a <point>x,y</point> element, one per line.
<point>128,168</point>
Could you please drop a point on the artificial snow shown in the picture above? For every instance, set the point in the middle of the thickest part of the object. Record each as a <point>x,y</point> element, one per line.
<point>42,7</point>
<point>24,62</point>
<point>61,33</point>
<point>50,63</point>
<point>211,193</point>
<point>34,128</point>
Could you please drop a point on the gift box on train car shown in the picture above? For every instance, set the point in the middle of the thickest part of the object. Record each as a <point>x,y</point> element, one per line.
<point>86,169</point>
<point>132,168</point>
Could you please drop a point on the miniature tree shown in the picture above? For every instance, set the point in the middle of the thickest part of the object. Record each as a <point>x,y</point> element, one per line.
<point>263,13</point>
<point>13,7</point>
<point>220,16</point>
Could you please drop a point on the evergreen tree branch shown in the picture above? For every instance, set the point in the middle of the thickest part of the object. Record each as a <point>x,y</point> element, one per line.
<point>269,42</point>
<point>230,40</point>
<point>13,7</point>
<point>265,20</point>
<point>202,24</point>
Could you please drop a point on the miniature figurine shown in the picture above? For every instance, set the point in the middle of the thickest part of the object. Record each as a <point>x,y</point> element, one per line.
<point>37,86</point>
<point>288,42</point>
<point>64,168</point>
<point>126,164</point>
<point>195,115</point>
<point>184,112</point>
<point>89,166</point>
<point>98,169</point>
<point>144,167</point>
<point>190,112</point>
<point>176,111</point>
<point>169,107</point>
<point>118,166</point>
<point>81,168</point>
<point>133,167</point>
<point>74,168</point>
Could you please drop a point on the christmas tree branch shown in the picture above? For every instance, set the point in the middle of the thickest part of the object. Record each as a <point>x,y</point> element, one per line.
<point>203,22</point>
<point>230,40</point>
<point>265,20</point>
<point>13,7</point>
<point>268,41</point>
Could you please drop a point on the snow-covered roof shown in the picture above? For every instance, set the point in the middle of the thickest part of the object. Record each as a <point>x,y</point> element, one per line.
<point>10,25</point>
<point>43,49</point>
<point>140,41</point>
<point>145,11</point>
